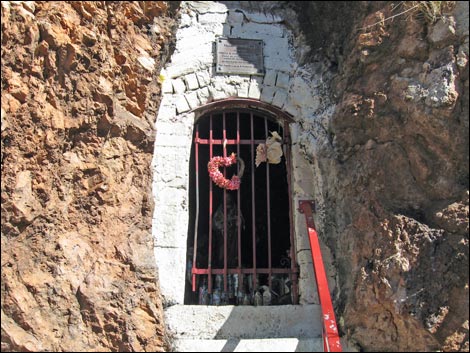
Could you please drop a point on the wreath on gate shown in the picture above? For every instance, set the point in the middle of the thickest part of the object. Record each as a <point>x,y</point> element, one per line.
<point>218,178</point>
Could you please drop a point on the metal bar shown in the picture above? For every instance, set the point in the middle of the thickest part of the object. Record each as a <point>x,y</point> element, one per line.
<point>331,337</point>
<point>224,135</point>
<point>220,271</point>
<point>253,212</point>
<point>228,141</point>
<point>196,222</point>
<point>286,139</point>
<point>209,265</point>
<point>239,225</point>
<point>268,208</point>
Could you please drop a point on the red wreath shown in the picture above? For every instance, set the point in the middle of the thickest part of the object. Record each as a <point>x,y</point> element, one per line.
<point>218,178</point>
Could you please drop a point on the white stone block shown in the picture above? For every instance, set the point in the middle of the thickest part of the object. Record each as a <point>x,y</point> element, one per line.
<point>282,80</point>
<point>242,90</point>
<point>291,108</point>
<point>210,18</point>
<point>192,99</point>
<point>203,78</point>
<point>171,264</point>
<point>278,63</point>
<point>270,78</point>
<point>182,104</point>
<point>207,6</point>
<point>203,95</point>
<point>280,98</point>
<point>167,110</point>
<point>167,86</point>
<point>178,86</point>
<point>235,17</point>
<point>267,95</point>
<point>252,30</point>
<point>191,81</point>
<point>254,91</point>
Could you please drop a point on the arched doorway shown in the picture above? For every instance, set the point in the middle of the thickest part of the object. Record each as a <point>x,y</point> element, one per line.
<point>241,242</point>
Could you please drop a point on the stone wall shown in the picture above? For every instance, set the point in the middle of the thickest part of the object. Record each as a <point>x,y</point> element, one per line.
<point>189,81</point>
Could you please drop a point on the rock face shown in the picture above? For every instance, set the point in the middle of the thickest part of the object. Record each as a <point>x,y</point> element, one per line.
<point>79,98</point>
<point>396,174</point>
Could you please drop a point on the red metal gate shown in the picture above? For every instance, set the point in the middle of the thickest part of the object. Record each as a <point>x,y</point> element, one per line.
<point>232,265</point>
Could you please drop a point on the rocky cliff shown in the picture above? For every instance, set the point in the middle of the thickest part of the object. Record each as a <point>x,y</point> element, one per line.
<point>395,171</point>
<point>80,94</point>
<point>79,98</point>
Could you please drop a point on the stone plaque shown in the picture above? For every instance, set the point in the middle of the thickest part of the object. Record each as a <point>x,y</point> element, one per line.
<point>239,56</point>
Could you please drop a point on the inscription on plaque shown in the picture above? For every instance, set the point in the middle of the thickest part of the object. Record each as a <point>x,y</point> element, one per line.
<point>240,56</point>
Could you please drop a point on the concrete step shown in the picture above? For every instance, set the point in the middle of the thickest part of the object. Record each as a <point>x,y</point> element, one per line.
<point>243,322</point>
<point>249,345</point>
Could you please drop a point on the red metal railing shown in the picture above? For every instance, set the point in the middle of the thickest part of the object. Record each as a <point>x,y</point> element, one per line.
<point>250,142</point>
<point>331,341</point>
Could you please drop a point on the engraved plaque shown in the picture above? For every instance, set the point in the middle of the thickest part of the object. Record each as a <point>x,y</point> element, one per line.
<point>240,56</point>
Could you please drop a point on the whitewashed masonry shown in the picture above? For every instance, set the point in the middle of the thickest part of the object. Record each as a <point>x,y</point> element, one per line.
<point>189,81</point>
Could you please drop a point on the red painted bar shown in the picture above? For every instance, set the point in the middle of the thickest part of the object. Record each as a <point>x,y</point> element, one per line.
<point>209,279</point>
<point>331,340</point>
<point>239,225</point>
<point>229,141</point>
<point>268,207</point>
<point>220,271</point>
<point>294,270</point>
<point>196,222</point>
<point>224,135</point>
<point>253,213</point>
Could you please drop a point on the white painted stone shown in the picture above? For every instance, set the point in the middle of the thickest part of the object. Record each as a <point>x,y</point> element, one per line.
<point>280,98</point>
<point>186,20</point>
<point>242,91</point>
<point>267,94</point>
<point>290,108</point>
<point>167,110</point>
<point>167,86</point>
<point>203,78</point>
<point>203,95</point>
<point>260,18</point>
<point>178,86</point>
<point>192,99</point>
<point>270,78</point>
<point>171,273</point>
<point>182,104</point>
<point>254,90</point>
<point>282,80</point>
<point>250,345</point>
<point>191,81</point>
<point>235,17</point>
<point>193,57</point>
<point>211,18</point>
<point>278,64</point>
<point>207,6</point>
<point>263,31</point>
<point>299,321</point>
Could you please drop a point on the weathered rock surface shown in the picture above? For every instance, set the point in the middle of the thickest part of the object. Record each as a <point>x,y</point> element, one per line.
<point>395,174</point>
<point>79,98</point>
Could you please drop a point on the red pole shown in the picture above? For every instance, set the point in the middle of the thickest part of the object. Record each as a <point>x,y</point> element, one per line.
<point>253,212</point>
<point>209,267</point>
<point>331,341</point>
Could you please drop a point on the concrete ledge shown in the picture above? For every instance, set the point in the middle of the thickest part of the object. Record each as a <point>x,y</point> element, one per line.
<point>253,345</point>
<point>217,322</point>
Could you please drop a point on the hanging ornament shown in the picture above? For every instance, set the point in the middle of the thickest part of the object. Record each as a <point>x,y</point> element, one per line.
<point>260,154</point>
<point>271,151</point>
<point>274,148</point>
<point>218,178</point>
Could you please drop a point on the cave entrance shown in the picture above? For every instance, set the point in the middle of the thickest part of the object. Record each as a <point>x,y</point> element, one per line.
<point>240,242</point>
